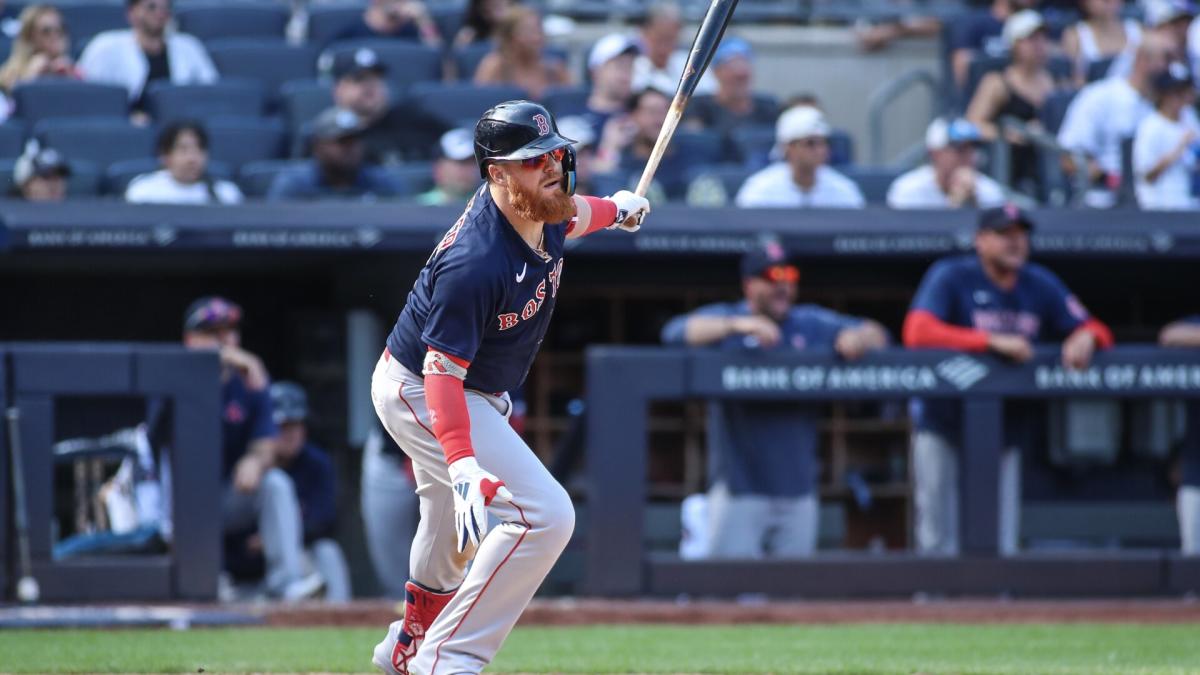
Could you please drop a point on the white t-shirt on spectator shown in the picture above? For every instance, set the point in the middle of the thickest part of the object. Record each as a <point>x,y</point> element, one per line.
<point>114,57</point>
<point>160,188</point>
<point>1103,114</point>
<point>1193,40</point>
<point>774,187</point>
<point>1156,137</point>
<point>918,189</point>
<point>667,79</point>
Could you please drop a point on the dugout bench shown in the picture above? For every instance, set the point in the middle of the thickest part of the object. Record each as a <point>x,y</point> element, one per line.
<point>623,381</point>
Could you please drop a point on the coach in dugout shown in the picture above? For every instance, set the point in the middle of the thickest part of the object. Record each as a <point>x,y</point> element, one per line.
<point>762,499</point>
<point>995,301</point>
<point>1185,333</point>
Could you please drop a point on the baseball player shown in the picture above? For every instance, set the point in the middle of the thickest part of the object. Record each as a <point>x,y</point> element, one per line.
<point>1185,333</point>
<point>468,332</point>
<point>994,301</point>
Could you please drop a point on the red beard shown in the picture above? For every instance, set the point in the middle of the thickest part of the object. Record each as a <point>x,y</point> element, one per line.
<point>535,206</point>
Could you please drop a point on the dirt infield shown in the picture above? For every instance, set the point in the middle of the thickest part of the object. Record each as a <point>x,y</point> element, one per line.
<point>572,611</point>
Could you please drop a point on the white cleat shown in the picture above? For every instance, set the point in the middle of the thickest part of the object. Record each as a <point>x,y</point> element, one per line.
<point>390,656</point>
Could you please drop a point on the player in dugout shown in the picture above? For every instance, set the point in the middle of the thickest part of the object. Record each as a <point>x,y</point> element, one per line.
<point>994,301</point>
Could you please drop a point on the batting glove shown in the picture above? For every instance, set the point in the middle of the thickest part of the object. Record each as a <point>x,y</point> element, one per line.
<point>474,491</point>
<point>629,206</point>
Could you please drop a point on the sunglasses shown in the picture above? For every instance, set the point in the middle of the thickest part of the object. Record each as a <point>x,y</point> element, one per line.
<point>539,162</point>
<point>778,273</point>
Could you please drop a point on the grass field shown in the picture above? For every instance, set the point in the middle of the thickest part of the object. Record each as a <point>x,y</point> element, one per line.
<point>1027,649</point>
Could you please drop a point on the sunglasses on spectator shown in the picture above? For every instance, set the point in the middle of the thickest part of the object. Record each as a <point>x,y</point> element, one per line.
<point>539,162</point>
<point>778,273</point>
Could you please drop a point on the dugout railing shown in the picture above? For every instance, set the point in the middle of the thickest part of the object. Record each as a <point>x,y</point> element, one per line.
<point>623,381</point>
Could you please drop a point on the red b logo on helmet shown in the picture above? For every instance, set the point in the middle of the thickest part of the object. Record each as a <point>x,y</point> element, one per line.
<point>543,124</point>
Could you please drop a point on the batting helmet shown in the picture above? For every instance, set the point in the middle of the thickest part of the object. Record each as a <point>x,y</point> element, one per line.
<point>516,130</point>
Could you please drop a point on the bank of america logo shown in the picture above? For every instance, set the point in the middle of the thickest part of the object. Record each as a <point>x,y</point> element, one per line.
<point>962,371</point>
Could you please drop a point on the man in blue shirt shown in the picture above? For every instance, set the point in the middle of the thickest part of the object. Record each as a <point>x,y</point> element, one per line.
<point>1185,333</point>
<point>255,492</point>
<point>313,474</point>
<point>337,170</point>
<point>762,498</point>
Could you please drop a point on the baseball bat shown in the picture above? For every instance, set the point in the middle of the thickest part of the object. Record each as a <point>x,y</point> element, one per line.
<point>27,586</point>
<point>703,48</point>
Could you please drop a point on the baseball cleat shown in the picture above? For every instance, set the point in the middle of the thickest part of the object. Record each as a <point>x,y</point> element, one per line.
<point>404,637</point>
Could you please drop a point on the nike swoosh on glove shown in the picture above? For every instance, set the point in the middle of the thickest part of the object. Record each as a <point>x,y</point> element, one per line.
<point>629,207</point>
<point>474,491</point>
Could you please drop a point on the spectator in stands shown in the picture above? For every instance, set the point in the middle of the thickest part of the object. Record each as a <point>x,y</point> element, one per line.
<point>256,492</point>
<point>41,49</point>
<point>1107,112</point>
<point>1167,144</point>
<point>979,32</point>
<point>994,301</point>
<point>880,34</point>
<point>1193,48</point>
<point>661,61</point>
<point>611,65</point>
<point>628,140</point>
<point>949,180</point>
<point>734,103</point>
<point>1100,35</point>
<point>480,21</point>
<point>394,19</point>
<point>312,472</point>
<point>146,53</point>
<point>394,132</point>
<point>762,497</point>
<point>455,174</point>
<point>183,153</point>
<point>1018,91</point>
<point>518,58</point>
<point>580,130</point>
<point>40,174</point>
<point>1185,333</point>
<point>337,170</point>
<point>1171,20</point>
<point>802,179</point>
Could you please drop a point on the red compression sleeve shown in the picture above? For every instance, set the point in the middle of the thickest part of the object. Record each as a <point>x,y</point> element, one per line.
<point>924,329</point>
<point>604,214</point>
<point>448,414</point>
<point>1104,336</point>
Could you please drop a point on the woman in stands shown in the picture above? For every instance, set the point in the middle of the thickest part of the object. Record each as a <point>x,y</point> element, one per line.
<point>42,49</point>
<point>184,178</point>
<point>1101,35</point>
<point>1019,91</point>
<point>518,58</point>
<point>481,20</point>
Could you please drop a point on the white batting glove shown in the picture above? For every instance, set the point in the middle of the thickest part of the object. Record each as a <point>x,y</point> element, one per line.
<point>474,491</point>
<point>631,209</point>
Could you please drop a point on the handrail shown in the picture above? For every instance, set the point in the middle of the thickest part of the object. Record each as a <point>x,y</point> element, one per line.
<point>885,95</point>
<point>1039,137</point>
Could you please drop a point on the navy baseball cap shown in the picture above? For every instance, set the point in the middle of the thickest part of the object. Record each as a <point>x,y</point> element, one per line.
<point>336,123</point>
<point>1172,78</point>
<point>289,403</point>
<point>1001,217</point>
<point>357,62</point>
<point>211,312</point>
<point>762,257</point>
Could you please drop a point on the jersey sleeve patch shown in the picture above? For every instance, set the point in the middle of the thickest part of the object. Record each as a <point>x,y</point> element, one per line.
<point>440,363</point>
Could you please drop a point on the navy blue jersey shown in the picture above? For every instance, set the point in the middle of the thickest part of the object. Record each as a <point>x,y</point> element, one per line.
<point>765,448</point>
<point>313,475</point>
<point>484,296</point>
<point>245,418</point>
<point>957,291</point>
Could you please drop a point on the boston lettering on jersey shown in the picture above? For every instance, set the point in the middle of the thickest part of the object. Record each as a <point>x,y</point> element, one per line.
<point>484,296</point>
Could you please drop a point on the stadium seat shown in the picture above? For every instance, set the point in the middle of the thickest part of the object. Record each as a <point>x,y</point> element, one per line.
<point>120,174</point>
<point>255,177</point>
<point>102,141</point>
<point>703,147</point>
<point>167,101</point>
<point>303,100</point>
<point>461,104</point>
<point>270,62</point>
<point>449,19</point>
<point>466,59</point>
<point>326,22</point>
<point>84,180</point>
<point>754,143</point>
<point>406,62</point>
<point>86,19</point>
<point>1055,109</point>
<point>240,140</point>
<point>717,185</point>
<point>12,139</point>
<point>5,47</point>
<point>229,20</point>
<point>980,65</point>
<point>841,148</point>
<point>873,181</point>
<point>54,98</point>
<point>563,101</point>
<point>417,176</point>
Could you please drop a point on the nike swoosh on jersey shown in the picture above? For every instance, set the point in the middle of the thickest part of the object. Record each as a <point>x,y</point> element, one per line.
<point>521,276</point>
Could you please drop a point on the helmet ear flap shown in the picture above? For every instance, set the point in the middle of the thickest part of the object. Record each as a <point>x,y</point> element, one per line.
<point>568,167</point>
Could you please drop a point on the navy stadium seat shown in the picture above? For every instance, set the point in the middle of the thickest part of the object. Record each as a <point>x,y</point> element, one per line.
<point>466,59</point>
<point>1098,70</point>
<point>841,148</point>
<point>12,139</point>
<point>563,101</point>
<point>980,65</point>
<point>703,147</point>
<point>715,185</point>
<point>1055,109</point>
<point>228,20</point>
<point>326,22</point>
<point>102,141</point>
<point>461,104</point>
<point>52,98</point>
<point>84,20</point>
<point>873,181</point>
<point>120,174</point>
<point>5,47</point>
<point>241,140</point>
<point>449,19</point>
<point>166,101</point>
<point>754,143</point>
<point>270,62</point>
<point>255,178</point>
<point>417,176</point>
<point>303,100</point>
<point>406,62</point>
